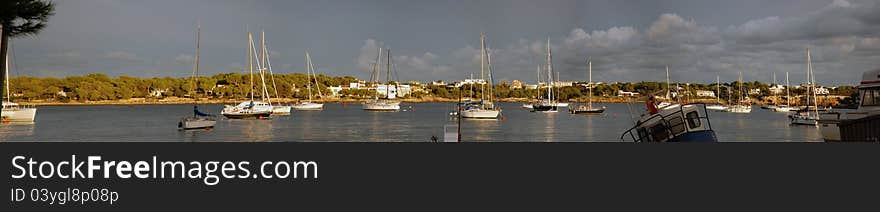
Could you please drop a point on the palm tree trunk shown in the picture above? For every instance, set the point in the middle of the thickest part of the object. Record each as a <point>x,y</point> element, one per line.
<point>4,43</point>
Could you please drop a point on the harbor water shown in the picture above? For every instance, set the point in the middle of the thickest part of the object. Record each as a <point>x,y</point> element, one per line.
<point>349,123</point>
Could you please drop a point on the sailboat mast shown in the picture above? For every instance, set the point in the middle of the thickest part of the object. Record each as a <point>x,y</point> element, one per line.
<point>6,79</point>
<point>251,62</point>
<point>491,93</point>
<point>667,83</point>
<point>718,88</point>
<point>482,66</point>
<point>196,66</point>
<point>590,84</point>
<point>787,90</point>
<point>388,75</point>
<point>308,75</point>
<point>549,72</point>
<point>262,68</point>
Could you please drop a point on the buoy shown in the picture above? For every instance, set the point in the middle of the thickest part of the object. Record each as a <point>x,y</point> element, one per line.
<point>5,121</point>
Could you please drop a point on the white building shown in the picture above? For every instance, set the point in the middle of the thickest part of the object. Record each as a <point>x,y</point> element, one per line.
<point>754,91</point>
<point>822,91</point>
<point>777,89</point>
<point>626,93</point>
<point>706,93</point>
<point>335,90</point>
<point>470,82</point>
<point>403,90</point>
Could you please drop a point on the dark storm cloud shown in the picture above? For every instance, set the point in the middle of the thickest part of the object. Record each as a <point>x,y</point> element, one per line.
<point>439,40</point>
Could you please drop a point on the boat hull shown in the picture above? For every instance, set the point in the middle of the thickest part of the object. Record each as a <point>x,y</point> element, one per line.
<point>739,109</point>
<point>19,115</point>
<point>716,107</point>
<point>697,136</point>
<point>309,106</point>
<point>255,115</point>
<point>281,110</point>
<point>803,120</point>
<point>191,123</point>
<point>480,114</point>
<point>389,107</point>
<point>588,111</point>
<point>545,108</point>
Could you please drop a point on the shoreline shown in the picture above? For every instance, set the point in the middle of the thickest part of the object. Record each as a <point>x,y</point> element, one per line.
<point>179,101</point>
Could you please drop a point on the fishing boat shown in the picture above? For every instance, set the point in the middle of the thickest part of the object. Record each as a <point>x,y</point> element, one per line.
<point>385,103</point>
<point>588,108</point>
<point>310,72</point>
<point>250,109</point>
<point>860,124</point>
<point>674,123</point>
<point>808,116</point>
<point>719,106</point>
<point>198,120</point>
<point>485,109</point>
<point>741,106</point>
<point>15,112</point>
<point>550,104</point>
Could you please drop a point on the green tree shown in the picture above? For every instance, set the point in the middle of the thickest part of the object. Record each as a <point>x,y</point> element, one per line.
<point>20,18</point>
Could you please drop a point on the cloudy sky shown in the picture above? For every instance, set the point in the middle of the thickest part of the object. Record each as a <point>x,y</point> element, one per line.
<point>627,40</point>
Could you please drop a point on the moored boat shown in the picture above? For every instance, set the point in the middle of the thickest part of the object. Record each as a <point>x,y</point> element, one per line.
<point>860,124</point>
<point>15,112</point>
<point>675,123</point>
<point>199,120</point>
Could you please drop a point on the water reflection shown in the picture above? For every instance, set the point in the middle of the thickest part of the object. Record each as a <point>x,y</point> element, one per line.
<point>10,130</point>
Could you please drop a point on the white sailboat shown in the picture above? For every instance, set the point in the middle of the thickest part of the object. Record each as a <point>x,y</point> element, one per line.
<point>310,71</point>
<point>251,109</point>
<point>741,106</point>
<point>485,109</point>
<point>14,112</point>
<point>588,109</point>
<point>198,120</point>
<point>548,105</point>
<point>668,97</point>
<point>277,109</point>
<point>786,107</point>
<point>386,103</point>
<point>719,106</point>
<point>807,116</point>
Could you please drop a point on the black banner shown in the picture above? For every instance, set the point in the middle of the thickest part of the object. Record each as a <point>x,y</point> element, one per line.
<point>438,176</point>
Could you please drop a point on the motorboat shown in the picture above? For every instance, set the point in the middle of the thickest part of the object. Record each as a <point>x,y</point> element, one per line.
<point>716,107</point>
<point>740,109</point>
<point>860,124</point>
<point>674,123</point>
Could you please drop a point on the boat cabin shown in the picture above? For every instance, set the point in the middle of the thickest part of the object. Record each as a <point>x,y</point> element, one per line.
<point>673,123</point>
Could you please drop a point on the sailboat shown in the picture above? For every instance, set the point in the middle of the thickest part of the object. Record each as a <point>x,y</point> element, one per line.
<point>668,97</point>
<point>310,71</point>
<point>588,109</point>
<point>198,120</point>
<point>530,105</point>
<point>485,109</point>
<point>277,109</point>
<point>386,103</point>
<point>14,112</point>
<point>251,109</point>
<point>787,107</point>
<point>548,105</point>
<point>770,107</point>
<point>719,106</point>
<point>741,106</point>
<point>808,116</point>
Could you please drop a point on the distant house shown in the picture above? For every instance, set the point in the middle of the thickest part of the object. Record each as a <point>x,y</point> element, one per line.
<point>822,91</point>
<point>516,84</point>
<point>531,86</point>
<point>626,93</point>
<point>777,89</point>
<point>335,90</point>
<point>158,92</point>
<point>754,91</point>
<point>706,93</point>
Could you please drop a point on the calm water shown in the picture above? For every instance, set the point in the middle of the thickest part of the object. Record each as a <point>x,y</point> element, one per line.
<point>349,122</point>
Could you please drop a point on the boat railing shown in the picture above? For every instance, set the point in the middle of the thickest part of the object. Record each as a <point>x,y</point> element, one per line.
<point>668,125</point>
